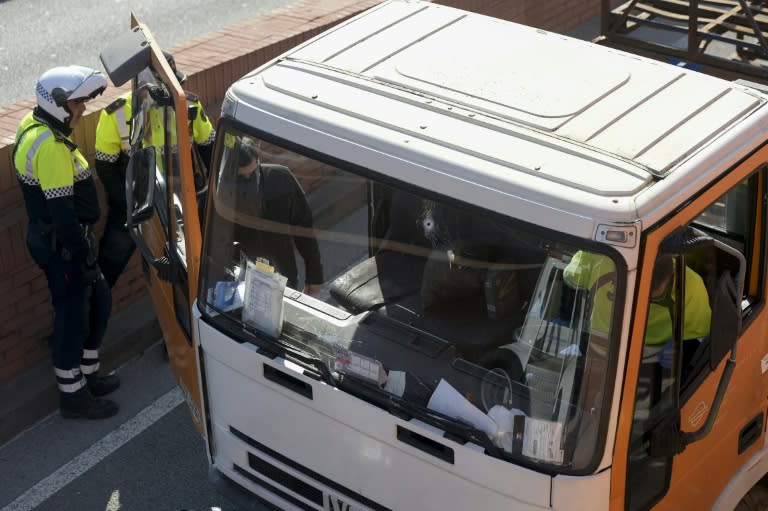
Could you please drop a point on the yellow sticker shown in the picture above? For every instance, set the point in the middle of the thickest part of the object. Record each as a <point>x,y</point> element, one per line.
<point>261,265</point>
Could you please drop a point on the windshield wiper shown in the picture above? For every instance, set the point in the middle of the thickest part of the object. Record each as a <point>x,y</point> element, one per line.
<point>454,430</point>
<point>279,348</point>
<point>311,362</point>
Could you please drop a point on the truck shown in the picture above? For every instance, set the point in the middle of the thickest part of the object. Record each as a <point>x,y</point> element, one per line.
<point>445,261</point>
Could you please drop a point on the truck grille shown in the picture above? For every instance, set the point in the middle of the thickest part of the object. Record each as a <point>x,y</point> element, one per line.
<point>269,471</point>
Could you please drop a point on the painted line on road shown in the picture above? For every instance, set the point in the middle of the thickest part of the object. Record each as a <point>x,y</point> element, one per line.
<point>97,452</point>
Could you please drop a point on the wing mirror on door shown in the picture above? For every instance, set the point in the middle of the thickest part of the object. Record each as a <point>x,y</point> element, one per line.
<point>126,56</point>
<point>140,186</point>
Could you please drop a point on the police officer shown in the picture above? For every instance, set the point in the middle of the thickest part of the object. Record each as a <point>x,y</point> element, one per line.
<point>112,147</point>
<point>62,205</point>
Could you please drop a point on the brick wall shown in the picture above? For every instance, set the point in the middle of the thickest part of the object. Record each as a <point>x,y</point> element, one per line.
<point>212,63</point>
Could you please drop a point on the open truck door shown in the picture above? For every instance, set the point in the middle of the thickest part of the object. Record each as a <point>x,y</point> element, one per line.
<point>162,211</point>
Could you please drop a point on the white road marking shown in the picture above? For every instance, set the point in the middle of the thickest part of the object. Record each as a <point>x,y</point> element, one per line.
<point>97,452</point>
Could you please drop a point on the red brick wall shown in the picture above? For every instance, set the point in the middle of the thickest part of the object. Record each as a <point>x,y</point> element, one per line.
<point>212,62</point>
<point>552,15</point>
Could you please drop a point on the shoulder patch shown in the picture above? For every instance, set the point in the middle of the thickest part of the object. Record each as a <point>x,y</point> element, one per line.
<point>115,105</point>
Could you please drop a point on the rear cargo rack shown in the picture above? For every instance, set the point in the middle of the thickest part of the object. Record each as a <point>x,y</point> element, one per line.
<point>724,38</point>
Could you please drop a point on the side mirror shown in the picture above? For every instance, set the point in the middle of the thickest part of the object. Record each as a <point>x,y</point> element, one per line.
<point>140,186</point>
<point>726,320</point>
<point>126,56</point>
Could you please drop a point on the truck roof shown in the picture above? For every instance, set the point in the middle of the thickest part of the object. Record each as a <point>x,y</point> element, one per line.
<point>564,123</point>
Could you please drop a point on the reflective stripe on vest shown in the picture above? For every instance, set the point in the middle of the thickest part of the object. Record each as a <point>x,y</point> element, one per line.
<point>30,144</point>
<point>122,127</point>
<point>29,174</point>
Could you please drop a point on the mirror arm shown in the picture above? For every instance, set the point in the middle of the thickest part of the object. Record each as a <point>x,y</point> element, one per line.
<point>162,265</point>
<point>165,270</point>
<point>668,440</point>
<point>134,218</point>
<point>695,436</point>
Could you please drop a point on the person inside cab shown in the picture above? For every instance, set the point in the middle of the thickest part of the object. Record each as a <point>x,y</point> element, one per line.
<point>275,218</point>
<point>595,272</point>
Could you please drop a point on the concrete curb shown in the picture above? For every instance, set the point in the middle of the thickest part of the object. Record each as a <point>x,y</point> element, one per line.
<point>32,396</point>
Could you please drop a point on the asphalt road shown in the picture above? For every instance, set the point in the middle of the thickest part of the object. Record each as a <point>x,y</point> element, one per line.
<point>36,35</point>
<point>148,457</point>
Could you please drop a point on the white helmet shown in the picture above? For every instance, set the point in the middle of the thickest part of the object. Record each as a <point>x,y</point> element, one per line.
<point>60,84</point>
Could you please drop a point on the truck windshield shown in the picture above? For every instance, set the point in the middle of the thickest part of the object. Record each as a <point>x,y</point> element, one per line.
<point>416,303</point>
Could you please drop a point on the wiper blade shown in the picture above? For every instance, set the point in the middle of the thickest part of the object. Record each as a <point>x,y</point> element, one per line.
<point>271,347</point>
<point>303,356</point>
<point>310,361</point>
<point>264,342</point>
<point>454,429</point>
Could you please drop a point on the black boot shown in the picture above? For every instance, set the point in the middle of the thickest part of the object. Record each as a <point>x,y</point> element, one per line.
<point>82,405</point>
<point>102,385</point>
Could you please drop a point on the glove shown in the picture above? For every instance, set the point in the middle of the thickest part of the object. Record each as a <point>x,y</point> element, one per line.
<point>667,355</point>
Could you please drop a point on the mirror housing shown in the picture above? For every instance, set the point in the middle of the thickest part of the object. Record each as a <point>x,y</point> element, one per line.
<point>666,439</point>
<point>140,186</point>
<point>126,56</point>
<point>726,320</point>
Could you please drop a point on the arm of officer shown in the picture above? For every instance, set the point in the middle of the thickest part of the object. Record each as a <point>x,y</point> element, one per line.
<point>110,160</point>
<point>203,133</point>
<point>67,228</point>
<point>108,141</point>
<point>58,186</point>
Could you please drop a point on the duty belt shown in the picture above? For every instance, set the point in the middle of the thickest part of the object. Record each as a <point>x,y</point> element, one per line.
<point>48,231</point>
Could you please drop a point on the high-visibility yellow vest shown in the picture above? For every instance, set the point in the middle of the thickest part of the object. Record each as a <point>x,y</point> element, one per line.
<point>112,130</point>
<point>201,129</point>
<point>586,268</point>
<point>45,159</point>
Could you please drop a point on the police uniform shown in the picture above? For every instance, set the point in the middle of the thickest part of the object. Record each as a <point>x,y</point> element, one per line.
<point>62,205</point>
<point>112,146</point>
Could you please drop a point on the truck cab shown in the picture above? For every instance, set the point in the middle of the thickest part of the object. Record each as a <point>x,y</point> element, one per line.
<point>445,261</point>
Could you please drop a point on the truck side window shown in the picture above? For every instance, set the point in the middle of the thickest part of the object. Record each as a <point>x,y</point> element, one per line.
<point>736,219</point>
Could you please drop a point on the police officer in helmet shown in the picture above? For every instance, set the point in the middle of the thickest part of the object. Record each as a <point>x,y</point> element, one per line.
<point>62,205</point>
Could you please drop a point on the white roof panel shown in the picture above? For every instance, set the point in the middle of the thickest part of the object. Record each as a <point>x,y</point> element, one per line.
<point>511,74</point>
<point>696,130</point>
<point>661,115</point>
<point>618,104</point>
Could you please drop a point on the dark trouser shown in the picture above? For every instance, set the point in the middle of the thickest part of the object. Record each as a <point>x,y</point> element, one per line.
<point>116,245</point>
<point>115,250</point>
<point>81,312</point>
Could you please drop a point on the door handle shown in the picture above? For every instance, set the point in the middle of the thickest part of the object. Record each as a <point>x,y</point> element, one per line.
<point>750,433</point>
